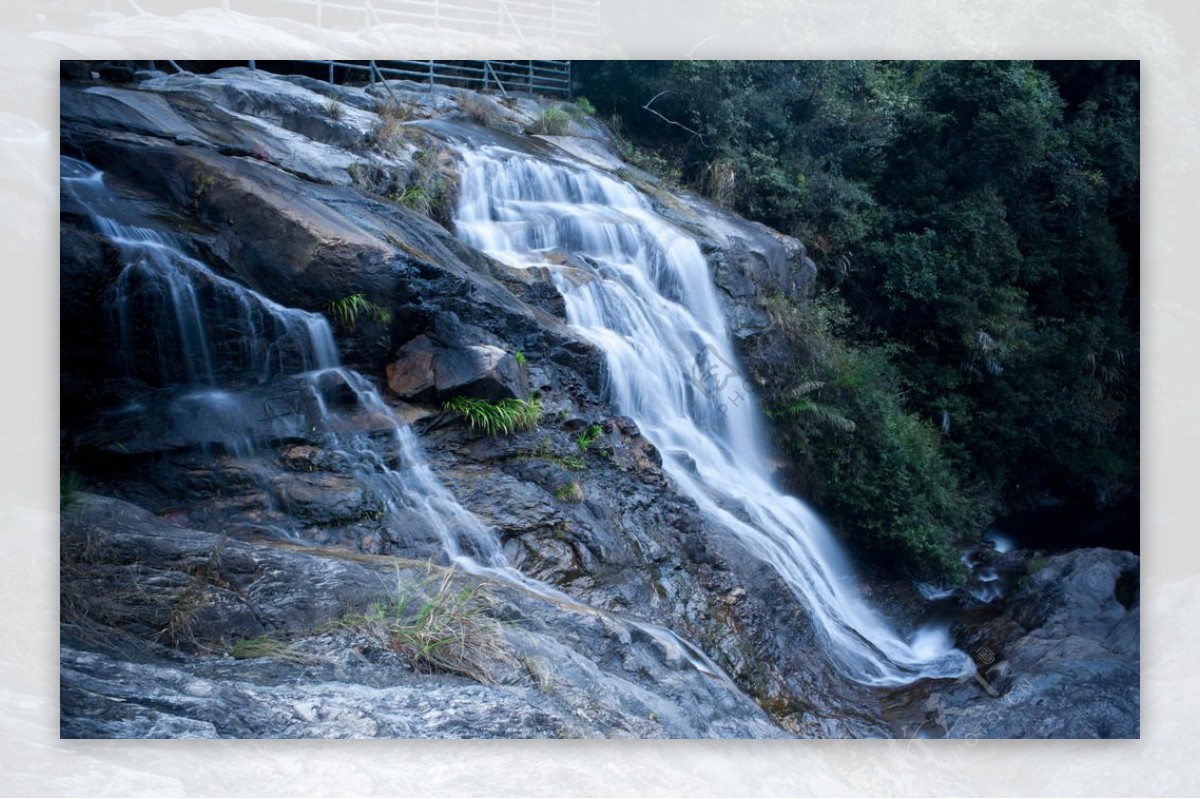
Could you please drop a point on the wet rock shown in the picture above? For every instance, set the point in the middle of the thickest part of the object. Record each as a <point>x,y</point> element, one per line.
<point>1060,661</point>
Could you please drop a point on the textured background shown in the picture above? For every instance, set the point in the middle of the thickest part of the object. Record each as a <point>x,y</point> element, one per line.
<point>1163,34</point>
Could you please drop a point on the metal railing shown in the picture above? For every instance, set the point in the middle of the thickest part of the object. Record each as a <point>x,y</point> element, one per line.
<point>577,21</point>
<point>505,77</point>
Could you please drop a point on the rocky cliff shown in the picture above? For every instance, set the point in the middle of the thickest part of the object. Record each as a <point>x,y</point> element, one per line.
<point>250,547</point>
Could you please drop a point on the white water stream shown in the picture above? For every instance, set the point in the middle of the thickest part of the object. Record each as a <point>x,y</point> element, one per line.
<point>646,298</point>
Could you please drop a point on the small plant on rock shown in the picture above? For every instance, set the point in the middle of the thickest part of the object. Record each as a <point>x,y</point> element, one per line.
<point>553,121</point>
<point>346,310</point>
<point>588,437</point>
<point>494,418</point>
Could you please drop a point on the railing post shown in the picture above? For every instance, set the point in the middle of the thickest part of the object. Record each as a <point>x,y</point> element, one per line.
<point>431,77</point>
<point>531,76</point>
<point>330,73</point>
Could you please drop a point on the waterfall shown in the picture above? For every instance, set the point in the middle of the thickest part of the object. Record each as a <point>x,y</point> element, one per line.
<point>178,322</point>
<point>645,297</point>
<point>182,327</point>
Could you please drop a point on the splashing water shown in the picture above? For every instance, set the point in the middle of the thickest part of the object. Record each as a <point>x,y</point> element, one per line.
<point>646,298</point>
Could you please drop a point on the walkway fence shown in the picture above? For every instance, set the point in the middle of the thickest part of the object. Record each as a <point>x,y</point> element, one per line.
<point>551,78</point>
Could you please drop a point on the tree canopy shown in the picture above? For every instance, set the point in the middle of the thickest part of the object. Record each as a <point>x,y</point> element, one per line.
<point>975,226</point>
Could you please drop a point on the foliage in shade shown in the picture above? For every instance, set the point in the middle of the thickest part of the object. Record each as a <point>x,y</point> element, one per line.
<point>347,310</point>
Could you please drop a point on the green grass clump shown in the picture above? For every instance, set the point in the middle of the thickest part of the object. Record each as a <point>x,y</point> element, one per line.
<point>582,107</point>
<point>588,437</point>
<point>553,121</point>
<point>494,418</point>
<point>69,486</point>
<point>571,492</point>
<point>346,310</point>
<point>449,631</point>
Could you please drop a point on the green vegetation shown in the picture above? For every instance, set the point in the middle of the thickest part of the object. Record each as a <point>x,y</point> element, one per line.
<point>479,109</point>
<point>582,106</point>
<point>415,198</point>
<point>495,418</point>
<point>973,344</point>
<point>269,645</point>
<point>449,631</point>
<point>588,437</point>
<point>69,486</point>
<point>520,358</point>
<point>346,310</point>
<point>553,121</point>
<point>571,492</point>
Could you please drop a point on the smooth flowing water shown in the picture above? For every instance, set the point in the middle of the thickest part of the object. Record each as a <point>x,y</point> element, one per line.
<point>204,338</point>
<point>646,298</point>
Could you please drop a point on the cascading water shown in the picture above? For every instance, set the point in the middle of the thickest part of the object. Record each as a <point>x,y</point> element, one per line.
<point>646,298</point>
<point>170,309</point>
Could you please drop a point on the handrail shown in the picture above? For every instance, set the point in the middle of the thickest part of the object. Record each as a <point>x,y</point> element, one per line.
<point>534,76</point>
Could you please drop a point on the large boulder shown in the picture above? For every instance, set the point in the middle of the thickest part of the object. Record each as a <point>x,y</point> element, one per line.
<point>426,369</point>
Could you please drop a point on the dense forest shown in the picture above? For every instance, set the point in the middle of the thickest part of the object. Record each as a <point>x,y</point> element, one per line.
<point>972,345</point>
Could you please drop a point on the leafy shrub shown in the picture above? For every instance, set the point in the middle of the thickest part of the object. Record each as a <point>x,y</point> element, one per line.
<point>584,106</point>
<point>881,474</point>
<point>494,418</point>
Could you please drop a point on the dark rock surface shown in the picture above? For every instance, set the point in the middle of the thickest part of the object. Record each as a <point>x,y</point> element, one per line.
<point>1060,660</point>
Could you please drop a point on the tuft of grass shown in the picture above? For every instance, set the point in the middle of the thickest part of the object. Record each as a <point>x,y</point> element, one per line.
<point>479,109</point>
<point>520,358</point>
<point>346,310</point>
<point>334,108</point>
<point>449,631</point>
<point>494,418</point>
<point>416,198</point>
<point>588,437</point>
<point>572,492</point>
<point>553,121</point>
<point>269,645</point>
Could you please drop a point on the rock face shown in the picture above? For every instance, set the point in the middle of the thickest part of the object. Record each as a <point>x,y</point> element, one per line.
<point>230,581</point>
<point>1060,661</point>
<point>139,592</point>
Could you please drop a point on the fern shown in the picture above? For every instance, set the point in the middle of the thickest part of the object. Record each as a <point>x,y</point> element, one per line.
<point>494,418</point>
<point>802,403</point>
<point>347,310</point>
